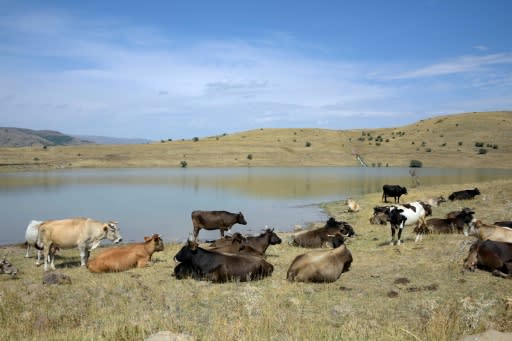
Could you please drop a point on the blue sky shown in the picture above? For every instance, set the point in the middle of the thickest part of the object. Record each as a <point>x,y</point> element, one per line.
<point>183,69</point>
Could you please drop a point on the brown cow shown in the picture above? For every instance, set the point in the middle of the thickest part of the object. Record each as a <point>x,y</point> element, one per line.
<point>237,246</point>
<point>219,267</point>
<point>492,232</point>
<point>320,236</point>
<point>226,240</point>
<point>252,245</point>
<point>215,220</point>
<point>321,266</point>
<point>127,256</point>
<point>489,255</point>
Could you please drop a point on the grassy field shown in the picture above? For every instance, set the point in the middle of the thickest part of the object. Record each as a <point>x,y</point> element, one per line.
<point>415,291</point>
<point>478,140</point>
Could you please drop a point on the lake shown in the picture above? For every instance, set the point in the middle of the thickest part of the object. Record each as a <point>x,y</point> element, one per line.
<point>146,201</point>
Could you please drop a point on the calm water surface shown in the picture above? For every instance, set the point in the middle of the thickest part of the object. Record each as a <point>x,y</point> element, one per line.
<point>146,201</point>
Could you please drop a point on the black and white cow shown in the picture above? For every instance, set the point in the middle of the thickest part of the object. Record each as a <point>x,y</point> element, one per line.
<point>413,213</point>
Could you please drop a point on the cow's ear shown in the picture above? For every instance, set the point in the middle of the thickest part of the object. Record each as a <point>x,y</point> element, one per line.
<point>105,228</point>
<point>147,239</point>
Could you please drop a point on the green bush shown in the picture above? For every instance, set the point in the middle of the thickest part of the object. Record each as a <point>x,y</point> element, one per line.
<point>183,164</point>
<point>482,151</point>
<point>416,164</point>
<point>308,144</point>
<point>249,156</point>
<point>479,144</point>
<point>195,139</point>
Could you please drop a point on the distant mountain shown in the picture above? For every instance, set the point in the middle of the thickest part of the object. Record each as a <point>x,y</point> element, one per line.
<point>20,137</point>
<point>113,140</point>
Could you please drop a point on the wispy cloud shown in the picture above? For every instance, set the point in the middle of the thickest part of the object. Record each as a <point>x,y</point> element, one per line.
<point>462,64</point>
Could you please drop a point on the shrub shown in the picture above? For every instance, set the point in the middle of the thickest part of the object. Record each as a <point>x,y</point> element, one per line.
<point>249,156</point>
<point>428,150</point>
<point>308,144</point>
<point>416,164</point>
<point>195,139</point>
<point>494,146</point>
<point>479,144</point>
<point>183,164</point>
<point>482,151</point>
<point>460,143</point>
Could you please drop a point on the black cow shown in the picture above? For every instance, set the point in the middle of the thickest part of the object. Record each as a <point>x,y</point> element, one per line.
<point>320,236</point>
<point>218,267</point>
<point>492,256</point>
<point>215,220</point>
<point>465,194</point>
<point>394,191</point>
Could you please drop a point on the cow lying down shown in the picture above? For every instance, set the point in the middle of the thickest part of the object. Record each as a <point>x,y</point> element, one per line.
<point>321,236</point>
<point>218,267</point>
<point>322,265</point>
<point>127,256</point>
<point>492,256</point>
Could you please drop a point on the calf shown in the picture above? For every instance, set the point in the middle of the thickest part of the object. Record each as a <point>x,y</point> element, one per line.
<point>379,215</point>
<point>491,232</point>
<point>219,267</point>
<point>464,194</point>
<point>215,220</point>
<point>394,191</point>
<point>7,268</point>
<point>353,206</point>
<point>434,202</point>
<point>321,266</point>
<point>490,255</point>
<point>127,256</point>
<point>320,236</point>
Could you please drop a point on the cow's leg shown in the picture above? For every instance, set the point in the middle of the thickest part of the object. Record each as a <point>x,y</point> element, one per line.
<point>399,241</point>
<point>28,251</point>
<point>83,255</point>
<point>46,253</point>
<point>392,235</point>
<point>196,232</point>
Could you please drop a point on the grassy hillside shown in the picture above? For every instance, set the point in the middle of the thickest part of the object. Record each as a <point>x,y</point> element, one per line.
<point>18,137</point>
<point>464,140</point>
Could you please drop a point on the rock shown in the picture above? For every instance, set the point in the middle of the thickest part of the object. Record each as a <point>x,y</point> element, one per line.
<point>56,278</point>
<point>169,336</point>
<point>489,335</point>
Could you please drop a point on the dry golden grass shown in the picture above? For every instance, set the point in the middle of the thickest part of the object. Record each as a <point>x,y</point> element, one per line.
<point>408,292</point>
<point>443,141</point>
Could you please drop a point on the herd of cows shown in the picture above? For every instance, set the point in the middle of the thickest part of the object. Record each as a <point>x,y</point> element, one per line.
<point>242,258</point>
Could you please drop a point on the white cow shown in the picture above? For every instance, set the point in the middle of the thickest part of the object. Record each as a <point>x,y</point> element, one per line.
<point>31,238</point>
<point>413,213</point>
<point>84,233</point>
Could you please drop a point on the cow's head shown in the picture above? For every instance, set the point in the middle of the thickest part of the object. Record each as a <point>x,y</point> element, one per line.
<point>155,242</point>
<point>274,238</point>
<point>427,208</point>
<point>338,239</point>
<point>112,232</point>
<point>476,191</point>
<point>187,252</point>
<point>471,261</point>
<point>241,219</point>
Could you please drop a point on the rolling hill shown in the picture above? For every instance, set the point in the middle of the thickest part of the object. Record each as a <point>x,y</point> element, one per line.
<point>19,137</point>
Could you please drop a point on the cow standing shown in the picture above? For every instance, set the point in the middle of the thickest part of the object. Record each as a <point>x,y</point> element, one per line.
<point>413,213</point>
<point>84,233</point>
<point>215,220</point>
<point>394,191</point>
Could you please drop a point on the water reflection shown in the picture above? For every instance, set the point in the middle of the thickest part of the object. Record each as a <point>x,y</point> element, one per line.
<point>160,200</point>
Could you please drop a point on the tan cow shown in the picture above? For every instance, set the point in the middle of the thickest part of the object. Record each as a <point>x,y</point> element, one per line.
<point>490,232</point>
<point>84,233</point>
<point>126,257</point>
<point>321,265</point>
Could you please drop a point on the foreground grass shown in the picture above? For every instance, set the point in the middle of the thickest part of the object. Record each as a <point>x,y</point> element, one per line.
<point>410,292</point>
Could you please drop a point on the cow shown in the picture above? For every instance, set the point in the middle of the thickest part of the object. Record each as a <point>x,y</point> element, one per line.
<point>491,232</point>
<point>236,246</point>
<point>219,267</point>
<point>7,268</point>
<point>320,236</point>
<point>321,265</point>
<point>126,257</point>
<point>453,223</point>
<point>226,240</point>
<point>413,213</point>
<point>492,256</point>
<point>379,215</point>
<point>353,206</point>
<point>31,238</point>
<point>466,194</point>
<point>394,191</point>
<point>84,233</point>
<point>215,220</point>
